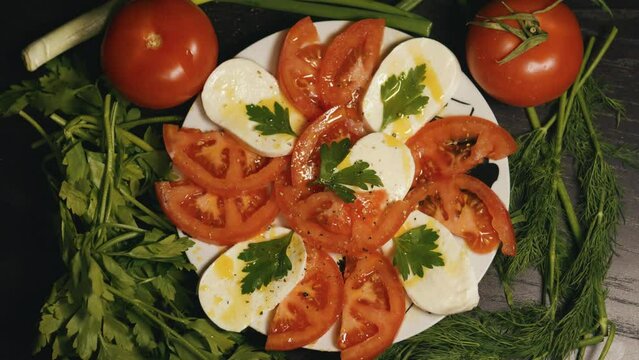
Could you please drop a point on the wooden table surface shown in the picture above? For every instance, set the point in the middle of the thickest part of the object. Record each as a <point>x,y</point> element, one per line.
<point>29,256</point>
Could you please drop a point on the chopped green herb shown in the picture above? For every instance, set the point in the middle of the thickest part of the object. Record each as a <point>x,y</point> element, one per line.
<point>266,261</point>
<point>270,122</point>
<point>125,294</point>
<point>414,250</point>
<point>358,174</point>
<point>402,95</point>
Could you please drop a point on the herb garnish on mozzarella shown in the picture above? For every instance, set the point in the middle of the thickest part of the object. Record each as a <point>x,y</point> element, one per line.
<point>265,261</point>
<point>415,250</point>
<point>270,122</point>
<point>402,95</point>
<point>358,174</point>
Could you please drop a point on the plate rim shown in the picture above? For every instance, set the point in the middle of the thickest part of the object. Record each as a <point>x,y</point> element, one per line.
<point>268,60</point>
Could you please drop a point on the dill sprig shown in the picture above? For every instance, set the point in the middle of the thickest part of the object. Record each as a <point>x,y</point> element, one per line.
<point>522,332</point>
<point>573,263</point>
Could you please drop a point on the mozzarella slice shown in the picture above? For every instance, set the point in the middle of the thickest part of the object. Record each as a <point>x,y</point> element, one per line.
<point>220,288</point>
<point>237,83</point>
<point>447,289</point>
<point>443,75</point>
<point>391,160</point>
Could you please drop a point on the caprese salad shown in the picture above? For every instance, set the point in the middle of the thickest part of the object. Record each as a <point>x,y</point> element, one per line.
<point>337,156</point>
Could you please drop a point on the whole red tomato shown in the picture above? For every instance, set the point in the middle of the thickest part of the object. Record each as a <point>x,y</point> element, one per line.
<point>159,53</point>
<point>542,73</point>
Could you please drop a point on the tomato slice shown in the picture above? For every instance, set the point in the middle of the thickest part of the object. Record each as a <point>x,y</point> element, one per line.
<point>374,224</point>
<point>214,218</point>
<point>374,305</point>
<point>298,67</point>
<point>314,219</point>
<point>335,124</point>
<point>471,210</point>
<point>454,145</point>
<point>217,162</point>
<point>311,308</point>
<point>349,63</point>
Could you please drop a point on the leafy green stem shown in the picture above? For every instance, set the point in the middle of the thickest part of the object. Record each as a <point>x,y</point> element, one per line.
<point>118,239</point>
<point>142,304</point>
<point>608,344</point>
<point>414,25</point>
<point>45,136</point>
<point>571,215</point>
<point>144,310</point>
<point>533,117</point>
<point>552,268</point>
<point>161,222</point>
<point>594,340</point>
<point>148,121</point>
<point>135,139</point>
<point>370,5</point>
<point>588,120</point>
<point>107,176</point>
<point>408,5</point>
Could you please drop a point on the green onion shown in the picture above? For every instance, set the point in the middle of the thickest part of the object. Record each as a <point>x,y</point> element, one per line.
<point>93,22</point>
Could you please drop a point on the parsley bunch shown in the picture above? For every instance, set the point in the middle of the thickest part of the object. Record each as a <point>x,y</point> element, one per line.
<point>127,293</point>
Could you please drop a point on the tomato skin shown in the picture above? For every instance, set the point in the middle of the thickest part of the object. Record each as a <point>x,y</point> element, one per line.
<point>538,76</point>
<point>311,308</point>
<point>159,53</point>
<point>436,153</point>
<point>374,306</point>
<point>189,207</point>
<point>349,63</point>
<point>301,216</point>
<point>472,211</point>
<point>335,124</point>
<point>298,67</point>
<point>374,225</point>
<point>193,152</point>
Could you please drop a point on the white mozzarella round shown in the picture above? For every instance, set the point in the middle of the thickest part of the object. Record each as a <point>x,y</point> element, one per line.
<point>391,160</point>
<point>220,289</point>
<point>447,289</point>
<point>443,75</point>
<point>232,86</point>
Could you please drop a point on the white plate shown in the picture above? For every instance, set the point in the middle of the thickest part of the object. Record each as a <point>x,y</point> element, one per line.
<point>467,100</point>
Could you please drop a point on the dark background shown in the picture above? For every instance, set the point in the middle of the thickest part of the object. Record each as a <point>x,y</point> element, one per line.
<point>29,256</point>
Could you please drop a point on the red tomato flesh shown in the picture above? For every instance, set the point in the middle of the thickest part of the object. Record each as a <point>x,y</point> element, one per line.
<point>472,211</point>
<point>456,144</point>
<point>311,308</point>
<point>298,68</point>
<point>217,162</point>
<point>215,218</point>
<point>349,63</point>
<point>374,305</point>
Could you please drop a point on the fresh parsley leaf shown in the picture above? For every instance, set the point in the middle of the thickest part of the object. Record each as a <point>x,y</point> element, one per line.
<point>331,155</point>
<point>358,174</point>
<point>270,122</point>
<point>414,250</point>
<point>16,98</point>
<point>266,261</point>
<point>402,95</point>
